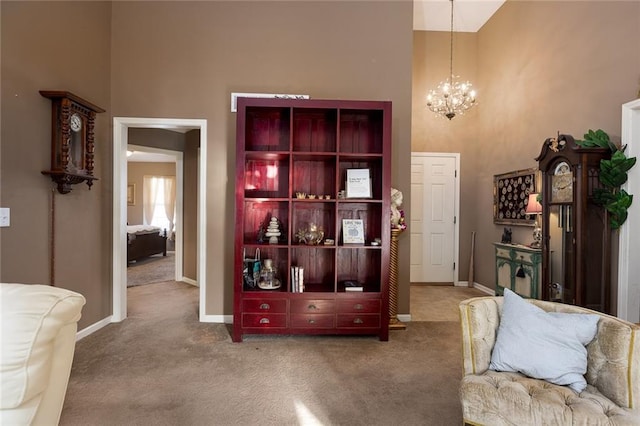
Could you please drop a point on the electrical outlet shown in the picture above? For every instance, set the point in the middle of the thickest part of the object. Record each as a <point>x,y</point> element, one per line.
<point>4,217</point>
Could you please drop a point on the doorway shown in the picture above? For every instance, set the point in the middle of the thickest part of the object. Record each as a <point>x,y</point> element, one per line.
<point>435,188</point>
<point>121,126</point>
<point>146,156</point>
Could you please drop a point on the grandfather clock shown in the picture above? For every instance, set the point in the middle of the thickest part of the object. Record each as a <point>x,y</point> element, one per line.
<point>72,139</point>
<point>576,246</point>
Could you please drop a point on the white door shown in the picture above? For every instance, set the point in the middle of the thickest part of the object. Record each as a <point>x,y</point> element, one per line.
<point>433,227</point>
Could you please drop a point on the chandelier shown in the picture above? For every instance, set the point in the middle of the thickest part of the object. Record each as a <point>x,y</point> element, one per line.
<point>452,97</point>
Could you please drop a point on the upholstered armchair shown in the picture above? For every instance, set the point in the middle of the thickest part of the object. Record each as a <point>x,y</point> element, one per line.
<point>38,325</point>
<point>612,394</point>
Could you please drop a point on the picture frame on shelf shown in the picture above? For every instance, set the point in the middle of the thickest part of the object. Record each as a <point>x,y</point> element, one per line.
<point>358,183</point>
<point>352,231</point>
<point>131,194</point>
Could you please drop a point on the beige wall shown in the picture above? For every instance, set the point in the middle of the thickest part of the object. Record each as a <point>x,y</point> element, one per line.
<point>541,67</point>
<point>55,46</point>
<point>127,62</point>
<point>347,50</point>
<point>156,138</point>
<point>135,175</point>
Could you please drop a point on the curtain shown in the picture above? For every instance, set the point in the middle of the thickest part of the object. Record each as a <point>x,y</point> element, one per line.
<point>170,200</point>
<point>149,196</point>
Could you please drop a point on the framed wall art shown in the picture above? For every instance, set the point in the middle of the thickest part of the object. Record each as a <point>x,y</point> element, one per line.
<point>510,197</point>
<point>131,194</point>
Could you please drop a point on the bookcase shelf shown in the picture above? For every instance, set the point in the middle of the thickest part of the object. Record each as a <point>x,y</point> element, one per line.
<point>291,164</point>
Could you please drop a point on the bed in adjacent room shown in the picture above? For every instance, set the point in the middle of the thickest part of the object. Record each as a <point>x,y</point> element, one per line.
<point>144,241</point>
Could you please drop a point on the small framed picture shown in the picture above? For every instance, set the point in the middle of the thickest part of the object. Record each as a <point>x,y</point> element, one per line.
<point>358,183</point>
<point>131,194</point>
<point>352,231</point>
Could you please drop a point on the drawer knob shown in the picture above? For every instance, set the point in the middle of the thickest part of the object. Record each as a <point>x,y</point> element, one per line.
<point>312,321</point>
<point>312,307</point>
<point>264,320</point>
<point>265,306</point>
<point>358,306</point>
<point>358,321</point>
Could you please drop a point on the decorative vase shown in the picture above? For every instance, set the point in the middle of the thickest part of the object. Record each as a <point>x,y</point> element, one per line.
<point>268,280</point>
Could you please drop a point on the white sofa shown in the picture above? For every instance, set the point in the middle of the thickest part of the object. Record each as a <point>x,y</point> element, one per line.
<point>612,396</point>
<point>38,325</point>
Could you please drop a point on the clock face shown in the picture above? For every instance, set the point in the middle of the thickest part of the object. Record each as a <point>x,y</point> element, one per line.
<point>562,184</point>
<point>75,122</point>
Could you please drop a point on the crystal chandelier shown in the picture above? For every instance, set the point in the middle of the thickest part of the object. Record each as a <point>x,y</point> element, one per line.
<point>451,97</point>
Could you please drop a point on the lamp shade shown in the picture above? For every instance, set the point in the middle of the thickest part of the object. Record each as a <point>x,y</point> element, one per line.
<point>533,206</point>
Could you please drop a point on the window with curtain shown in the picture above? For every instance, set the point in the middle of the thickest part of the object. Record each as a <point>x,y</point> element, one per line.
<point>159,204</point>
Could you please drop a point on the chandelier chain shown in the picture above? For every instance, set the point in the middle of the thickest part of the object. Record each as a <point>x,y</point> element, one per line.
<point>451,45</point>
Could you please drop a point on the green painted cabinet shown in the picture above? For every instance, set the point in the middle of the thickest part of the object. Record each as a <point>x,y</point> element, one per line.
<point>519,269</point>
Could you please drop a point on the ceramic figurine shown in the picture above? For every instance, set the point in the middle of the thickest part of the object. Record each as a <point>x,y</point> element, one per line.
<point>397,214</point>
<point>273,231</point>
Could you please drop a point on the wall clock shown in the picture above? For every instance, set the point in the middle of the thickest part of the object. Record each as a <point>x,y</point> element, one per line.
<point>72,139</point>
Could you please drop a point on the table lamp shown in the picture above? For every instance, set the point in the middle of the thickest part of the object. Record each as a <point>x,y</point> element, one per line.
<point>534,207</point>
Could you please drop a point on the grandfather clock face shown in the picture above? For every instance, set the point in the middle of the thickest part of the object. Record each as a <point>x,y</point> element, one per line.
<point>562,184</point>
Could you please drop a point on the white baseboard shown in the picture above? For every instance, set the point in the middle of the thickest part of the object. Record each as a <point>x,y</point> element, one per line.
<point>404,317</point>
<point>93,328</point>
<point>480,287</point>
<point>220,319</point>
<point>489,291</point>
<point>189,281</point>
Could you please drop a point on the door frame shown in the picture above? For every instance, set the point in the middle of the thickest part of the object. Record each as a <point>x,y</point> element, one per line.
<point>629,292</point>
<point>456,208</point>
<point>121,126</point>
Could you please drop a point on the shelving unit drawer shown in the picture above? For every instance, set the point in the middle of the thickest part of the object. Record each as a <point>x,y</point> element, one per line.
<point>264,320</point>
<point>370,306</point>
<point>278,306</point>
<point>313,306</point>
<point>358,320</point>
<point>313,320</point>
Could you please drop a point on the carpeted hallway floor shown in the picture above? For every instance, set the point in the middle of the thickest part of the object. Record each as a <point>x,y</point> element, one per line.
<point>151,270</point>
<point>162,367</point>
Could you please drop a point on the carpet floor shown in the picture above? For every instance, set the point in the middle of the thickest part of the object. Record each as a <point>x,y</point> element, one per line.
<point>162,367</point>
<point>151,270</point>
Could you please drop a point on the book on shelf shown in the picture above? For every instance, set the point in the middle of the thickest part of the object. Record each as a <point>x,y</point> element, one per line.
<point>350,285</point>
<point>297,279</point>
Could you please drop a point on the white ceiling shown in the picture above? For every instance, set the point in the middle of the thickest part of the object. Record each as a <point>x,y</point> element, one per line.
<point>468,15</point>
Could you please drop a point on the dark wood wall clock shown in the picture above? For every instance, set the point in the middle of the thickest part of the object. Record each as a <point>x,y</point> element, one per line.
<point>72,139</point>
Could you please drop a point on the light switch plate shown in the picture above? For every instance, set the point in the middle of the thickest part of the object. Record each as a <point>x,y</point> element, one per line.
<point>5,214</point>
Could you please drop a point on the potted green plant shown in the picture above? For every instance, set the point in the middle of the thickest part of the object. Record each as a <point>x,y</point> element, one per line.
<point>613,174</point>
